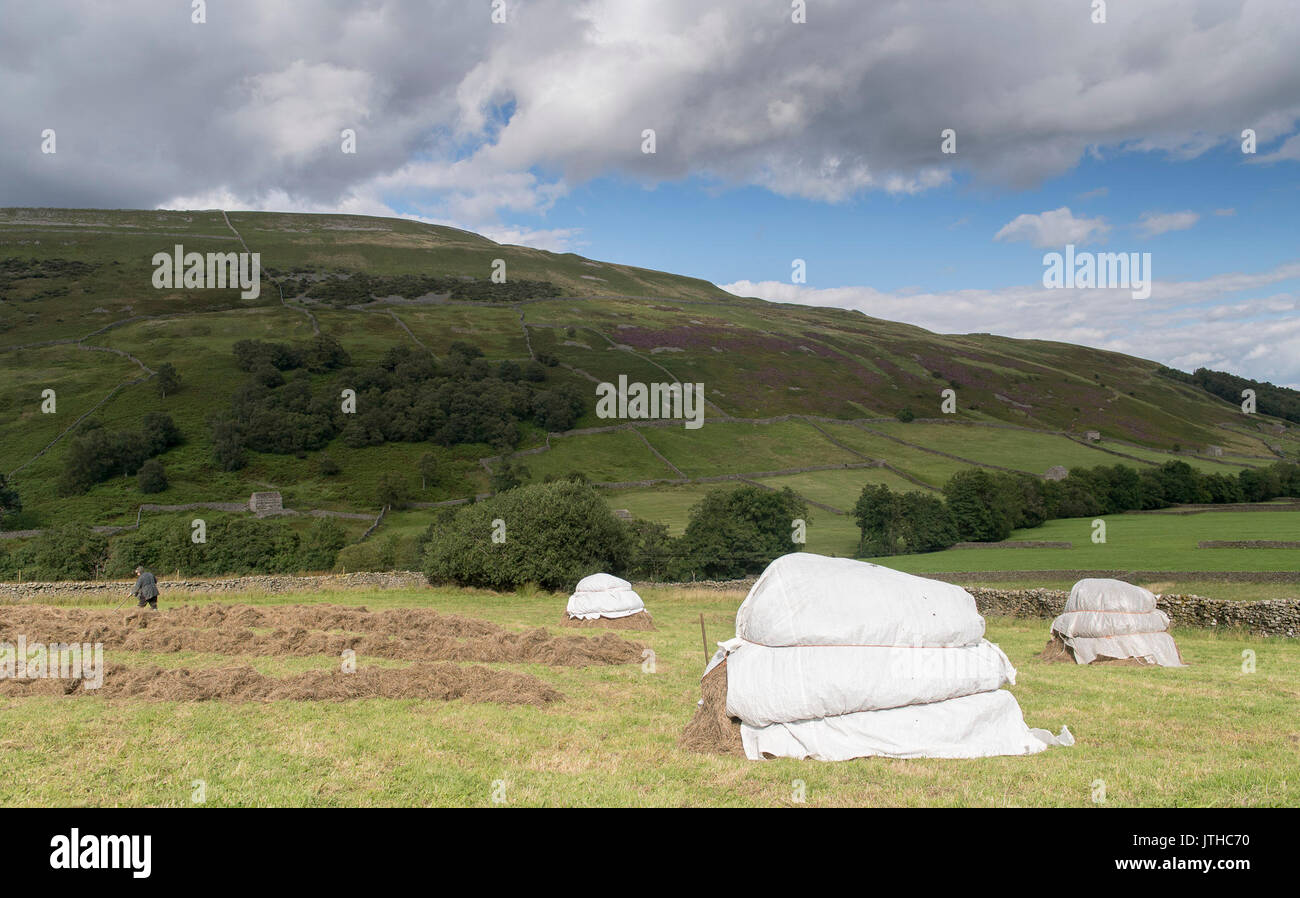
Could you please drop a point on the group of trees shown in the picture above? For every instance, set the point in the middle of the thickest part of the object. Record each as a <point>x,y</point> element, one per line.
<point>407,396</point>
<point>233,545</point>
<point>553,534</point>
<point>95,453</point>
<point>979,505</point>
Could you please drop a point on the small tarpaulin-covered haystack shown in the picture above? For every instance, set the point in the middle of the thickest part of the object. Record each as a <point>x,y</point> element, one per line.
<point>1107,621</point>
<point>836,659</point>
<point>603,600</point>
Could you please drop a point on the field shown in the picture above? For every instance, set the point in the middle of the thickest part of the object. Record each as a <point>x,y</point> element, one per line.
<point>603,734</point>
<point>1134,542</point>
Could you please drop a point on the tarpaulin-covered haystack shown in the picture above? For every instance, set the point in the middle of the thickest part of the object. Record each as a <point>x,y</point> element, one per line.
<point>603,600</point>
<point>1110,621</point>
<point>836,659</point>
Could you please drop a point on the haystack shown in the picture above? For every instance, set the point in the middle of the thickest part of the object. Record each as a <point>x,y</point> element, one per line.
<point>1110,621</point>
<point>836,659</point>
<point>603,600</point>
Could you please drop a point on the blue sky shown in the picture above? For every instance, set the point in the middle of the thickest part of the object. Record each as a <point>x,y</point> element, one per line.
<point>942,239</point>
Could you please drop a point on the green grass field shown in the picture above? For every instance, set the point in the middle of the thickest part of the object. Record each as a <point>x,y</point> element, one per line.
<point>1145,542</point>
<point>1208,734</point>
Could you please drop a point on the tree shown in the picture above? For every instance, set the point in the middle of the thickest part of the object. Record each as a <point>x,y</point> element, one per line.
<point>981,510</point>
<point>392,491</point>
<point>557,410</point>
<point>896,524</point>
<point>1178,482</point>
<point>160,433</point>
<point>228,445</point>
<point>327,465</point>
<point>321,545</point>
<point>69,552</point>
<point>166,380</point>
<point>652,551</point>
<point>508,475</point>
<point>428,467</point>
<point>325,353</point>
<point>151,478</point>
<point>551,534</point>
<point>906,414</point>
<point>736,532</point>
<point>10,502</point>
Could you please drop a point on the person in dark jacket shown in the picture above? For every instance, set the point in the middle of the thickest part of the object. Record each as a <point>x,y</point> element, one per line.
<point>145,589</point>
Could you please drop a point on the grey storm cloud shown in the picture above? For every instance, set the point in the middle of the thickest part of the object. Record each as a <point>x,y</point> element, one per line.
<point>461,119</point>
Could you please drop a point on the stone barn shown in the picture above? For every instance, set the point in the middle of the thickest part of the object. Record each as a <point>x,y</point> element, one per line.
<point>266,503</point>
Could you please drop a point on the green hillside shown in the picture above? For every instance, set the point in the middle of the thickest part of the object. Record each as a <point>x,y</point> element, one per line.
<point>797,396</point>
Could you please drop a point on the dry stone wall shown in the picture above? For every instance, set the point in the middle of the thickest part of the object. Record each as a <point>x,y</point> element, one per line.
<point>1269,617</point>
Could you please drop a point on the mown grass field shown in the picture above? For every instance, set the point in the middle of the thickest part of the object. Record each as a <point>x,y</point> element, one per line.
<point>1208,734</point>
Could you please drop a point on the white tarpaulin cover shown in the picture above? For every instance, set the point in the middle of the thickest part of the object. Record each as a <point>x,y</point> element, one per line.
<point>1114,619</point>
<point>972,726</point>
<point>836,659</point>
<point>604,595</point>
<point>806,599</point>
<point>841,679</point>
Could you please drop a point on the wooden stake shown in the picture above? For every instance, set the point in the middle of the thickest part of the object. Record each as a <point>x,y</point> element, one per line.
<point>705,638</point>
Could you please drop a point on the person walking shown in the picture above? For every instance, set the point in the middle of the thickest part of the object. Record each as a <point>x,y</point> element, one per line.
<point>145,589</point>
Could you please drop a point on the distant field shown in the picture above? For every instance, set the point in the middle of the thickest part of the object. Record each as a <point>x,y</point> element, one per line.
<point>78,385</point>
<point>840,488</point>
<point>725,447</point>
<point>1023,450</point>
<point>614,456</point>
<point>1207,734</point>
<point>1133,542</point>
<point>928,466</point>
<point>1205,465</point>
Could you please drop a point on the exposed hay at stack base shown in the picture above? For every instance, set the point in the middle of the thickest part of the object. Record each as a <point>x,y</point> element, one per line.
<point>639,621</point>
<point>1057,652</point>
<point>712,731</point>
<point>442,682</point>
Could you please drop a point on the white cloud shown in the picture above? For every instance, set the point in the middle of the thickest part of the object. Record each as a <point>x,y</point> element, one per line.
<point>851,102</point>
<point>1055,228</point>
<point>299,111</point>
<point>1288,151</point>
<point>1151,224</point>
<point>556,240</point>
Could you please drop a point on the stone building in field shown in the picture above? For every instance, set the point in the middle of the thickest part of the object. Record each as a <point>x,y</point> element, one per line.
<point>265,503</point>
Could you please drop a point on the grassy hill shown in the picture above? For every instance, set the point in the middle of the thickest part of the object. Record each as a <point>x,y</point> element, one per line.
<point>797,396</point>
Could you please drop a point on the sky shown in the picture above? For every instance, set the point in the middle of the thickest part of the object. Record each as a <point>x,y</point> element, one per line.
<point>775,140</point>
